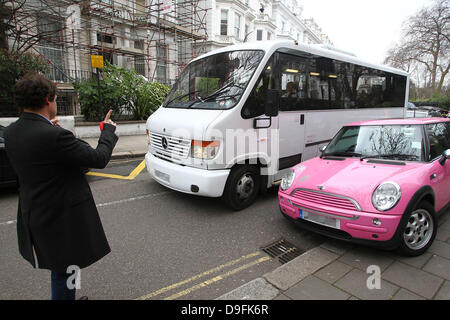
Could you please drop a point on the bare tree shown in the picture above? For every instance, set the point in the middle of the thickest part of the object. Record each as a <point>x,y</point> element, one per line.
<point>25,23</point>
<point>425,44</point>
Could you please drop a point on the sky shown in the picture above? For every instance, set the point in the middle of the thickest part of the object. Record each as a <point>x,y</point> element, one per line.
<point>366,28</point>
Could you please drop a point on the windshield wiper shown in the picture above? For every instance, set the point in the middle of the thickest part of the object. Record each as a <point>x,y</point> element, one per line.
<point>181,97</point>
<point>341,154</point>
<point>218,92</point>
<point>392,155</point>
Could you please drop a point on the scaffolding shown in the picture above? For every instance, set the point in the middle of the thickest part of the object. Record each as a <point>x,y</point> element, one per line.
<point>157,38</point>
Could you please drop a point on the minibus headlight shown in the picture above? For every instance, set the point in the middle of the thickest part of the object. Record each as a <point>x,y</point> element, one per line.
<point>386,196</point>
<point>287,180</point>
<point>204,149</point>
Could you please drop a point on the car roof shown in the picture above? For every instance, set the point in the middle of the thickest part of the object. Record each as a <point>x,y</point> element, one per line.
<point>401,121</point>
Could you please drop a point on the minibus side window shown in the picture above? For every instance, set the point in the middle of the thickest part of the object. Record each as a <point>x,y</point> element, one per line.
<point>295,84</point>
<point>254,106</point>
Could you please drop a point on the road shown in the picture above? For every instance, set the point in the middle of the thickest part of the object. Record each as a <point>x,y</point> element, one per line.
<point>165,244</point>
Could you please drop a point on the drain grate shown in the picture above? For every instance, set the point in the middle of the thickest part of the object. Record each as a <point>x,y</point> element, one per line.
<point>283,250</point>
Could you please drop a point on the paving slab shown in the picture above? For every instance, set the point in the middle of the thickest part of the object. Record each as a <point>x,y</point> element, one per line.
<point>440,248</point>
<point>313,288</point>
<point>443,235</point>
<point>333,272</point>
<point>355,283</point>
<point>418,262</point>
<point>404,294</point>
<point>363,257</point>
<point>413,279</point>
<point>296,270</point>
<point>438,266</point>
<point>258,289</point>
<point>444,292</point>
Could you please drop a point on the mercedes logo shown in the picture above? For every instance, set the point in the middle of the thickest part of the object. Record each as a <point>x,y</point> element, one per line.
<point>164,143</point>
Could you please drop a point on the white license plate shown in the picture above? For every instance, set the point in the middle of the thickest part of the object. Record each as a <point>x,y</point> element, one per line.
<point>320,219</point>
<point>162,175</point>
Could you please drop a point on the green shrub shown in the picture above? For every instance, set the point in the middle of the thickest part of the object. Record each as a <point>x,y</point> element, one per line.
<point>124,91</point>
<point>440,101</point>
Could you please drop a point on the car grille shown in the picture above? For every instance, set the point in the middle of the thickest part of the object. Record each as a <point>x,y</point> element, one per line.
<point>169,148</point>
<point>325,199</point>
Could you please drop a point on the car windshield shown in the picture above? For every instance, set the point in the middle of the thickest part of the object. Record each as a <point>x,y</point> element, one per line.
<point>214,82</point>
<point>397,142</point>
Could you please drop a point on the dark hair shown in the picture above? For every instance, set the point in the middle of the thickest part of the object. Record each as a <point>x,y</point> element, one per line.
<point>30,91</point>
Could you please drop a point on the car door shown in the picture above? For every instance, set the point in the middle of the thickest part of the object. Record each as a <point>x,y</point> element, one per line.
<point>439,141</point>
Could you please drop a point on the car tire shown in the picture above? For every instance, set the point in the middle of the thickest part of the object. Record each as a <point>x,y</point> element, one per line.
<point>242,187</point>
<point>418,231</point>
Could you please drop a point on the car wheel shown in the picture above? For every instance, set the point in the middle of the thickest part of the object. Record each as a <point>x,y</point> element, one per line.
<point>418,231</point>
<point>242,187</point>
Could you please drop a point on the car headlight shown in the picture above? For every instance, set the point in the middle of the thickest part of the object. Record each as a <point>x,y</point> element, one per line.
<point>386,196</point>
<point>204,149</point>
<point>287,180</point>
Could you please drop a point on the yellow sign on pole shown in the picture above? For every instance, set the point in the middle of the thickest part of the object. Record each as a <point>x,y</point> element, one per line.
<point>97,61</point>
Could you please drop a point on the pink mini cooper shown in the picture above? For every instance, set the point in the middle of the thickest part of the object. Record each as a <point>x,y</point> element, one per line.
<point>380,182</point>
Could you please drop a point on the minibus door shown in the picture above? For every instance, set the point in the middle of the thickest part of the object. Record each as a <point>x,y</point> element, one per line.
<point>291,126</point>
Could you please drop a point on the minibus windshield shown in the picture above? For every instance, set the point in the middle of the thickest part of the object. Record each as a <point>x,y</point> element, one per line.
<point>214,82</point>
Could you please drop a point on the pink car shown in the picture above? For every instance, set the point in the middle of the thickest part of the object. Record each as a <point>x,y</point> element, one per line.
<point>378,182</point>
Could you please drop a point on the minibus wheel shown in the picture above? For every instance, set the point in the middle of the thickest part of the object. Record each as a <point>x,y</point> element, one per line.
<point>418,231</point>
<point>242,187</point>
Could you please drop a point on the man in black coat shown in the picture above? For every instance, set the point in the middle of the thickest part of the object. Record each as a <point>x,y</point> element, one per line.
<point>57,224</point>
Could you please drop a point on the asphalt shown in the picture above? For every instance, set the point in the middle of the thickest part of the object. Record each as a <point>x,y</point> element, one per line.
<point>338,270</point>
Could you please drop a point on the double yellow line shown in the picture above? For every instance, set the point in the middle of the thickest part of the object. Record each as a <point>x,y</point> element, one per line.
<point>206,273</point>
<point>131,176</point>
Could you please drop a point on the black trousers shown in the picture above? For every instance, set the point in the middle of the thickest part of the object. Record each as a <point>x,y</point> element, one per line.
<point>60,289</point>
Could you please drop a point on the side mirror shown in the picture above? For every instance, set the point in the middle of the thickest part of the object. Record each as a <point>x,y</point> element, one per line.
<point>445,156</point>
<point>271,103</point>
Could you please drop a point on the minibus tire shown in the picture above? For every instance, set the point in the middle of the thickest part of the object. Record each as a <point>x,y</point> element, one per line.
<point>250,175</point>
<point>423,208</point>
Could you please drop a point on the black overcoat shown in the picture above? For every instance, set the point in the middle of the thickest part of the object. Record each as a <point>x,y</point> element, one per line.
<point>57,215</point>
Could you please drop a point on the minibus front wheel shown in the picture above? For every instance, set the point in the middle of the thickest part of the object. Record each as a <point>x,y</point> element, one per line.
<point>242,187</point>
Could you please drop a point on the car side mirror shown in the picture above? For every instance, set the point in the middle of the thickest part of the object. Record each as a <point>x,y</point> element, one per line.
<point>445,156</point>
<point>271,103</point>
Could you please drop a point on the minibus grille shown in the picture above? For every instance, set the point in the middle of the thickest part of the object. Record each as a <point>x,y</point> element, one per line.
<point>325,199</point>
<point>170,148</point>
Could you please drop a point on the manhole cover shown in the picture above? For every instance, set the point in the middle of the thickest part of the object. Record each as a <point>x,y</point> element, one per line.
<point>283,250</point>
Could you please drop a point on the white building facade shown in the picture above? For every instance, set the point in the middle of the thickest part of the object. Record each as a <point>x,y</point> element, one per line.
<point>237,21</point>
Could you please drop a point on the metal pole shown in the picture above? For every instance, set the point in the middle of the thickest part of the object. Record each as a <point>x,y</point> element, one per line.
<point>100,106</point>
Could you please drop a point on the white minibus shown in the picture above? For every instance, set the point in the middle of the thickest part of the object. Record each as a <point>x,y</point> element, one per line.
<point>238,117</point>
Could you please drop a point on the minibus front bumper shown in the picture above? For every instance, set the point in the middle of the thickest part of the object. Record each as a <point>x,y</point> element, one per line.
<point>208,183</point>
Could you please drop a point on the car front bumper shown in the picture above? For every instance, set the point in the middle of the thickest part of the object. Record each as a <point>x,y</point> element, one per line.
<point>209,183</point>
<point>355,226</point>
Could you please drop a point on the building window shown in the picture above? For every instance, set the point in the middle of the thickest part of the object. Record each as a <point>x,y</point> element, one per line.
<point>247,28</point>
<point>139,61</point>
<point>237,26</point>
<point>259,34</point>
<point>161,64</point>
<point>223,22</point>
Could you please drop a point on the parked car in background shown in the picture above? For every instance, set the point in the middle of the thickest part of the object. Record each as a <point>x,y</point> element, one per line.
<point>8,176</point>
<point>435,111</point>
<point>381,182</point>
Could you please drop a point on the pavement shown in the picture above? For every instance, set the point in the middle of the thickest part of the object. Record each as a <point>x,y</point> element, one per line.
<point>134,146</point>
<point>338,270</point>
